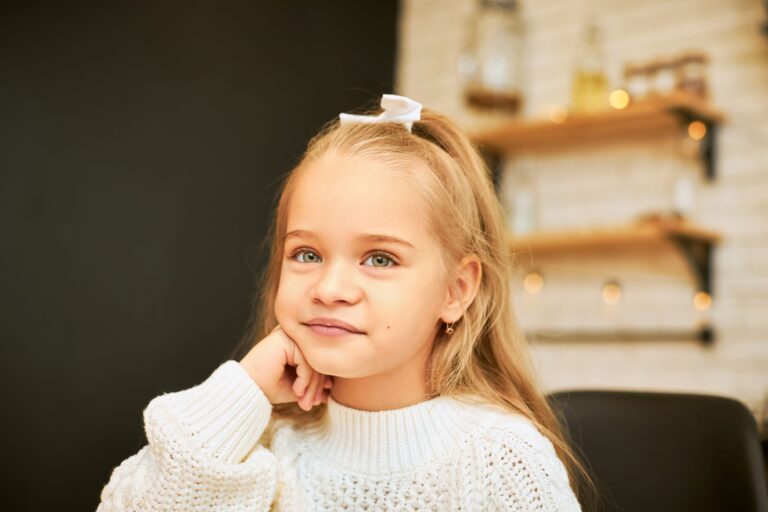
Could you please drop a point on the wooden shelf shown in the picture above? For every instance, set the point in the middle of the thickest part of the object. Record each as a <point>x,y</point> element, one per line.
<point>658,115</point>
<point>666,115</point>
<point>646,116</point>
<point>640,233</point>
<point>704,335</point>
<point>694,242</point>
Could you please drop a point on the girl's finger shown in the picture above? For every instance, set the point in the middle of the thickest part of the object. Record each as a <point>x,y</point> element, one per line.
<point>309,396</point>
<point>319,393</point>
<point>327,382</point>
<point>303,374</point>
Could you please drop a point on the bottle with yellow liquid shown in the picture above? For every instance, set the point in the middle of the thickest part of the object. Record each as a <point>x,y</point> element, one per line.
<point>590,86</point>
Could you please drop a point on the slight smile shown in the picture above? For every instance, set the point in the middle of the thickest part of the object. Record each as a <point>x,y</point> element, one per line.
<point>331,327</point>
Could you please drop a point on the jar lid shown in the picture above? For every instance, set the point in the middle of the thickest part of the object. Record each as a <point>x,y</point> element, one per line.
<point>652,66</point>
<point>664,62</point>
<point>693,56</point>
<point>507,5</point>
<point>632,68</point>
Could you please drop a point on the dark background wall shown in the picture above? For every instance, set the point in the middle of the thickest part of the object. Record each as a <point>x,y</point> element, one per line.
<point>141,147</point>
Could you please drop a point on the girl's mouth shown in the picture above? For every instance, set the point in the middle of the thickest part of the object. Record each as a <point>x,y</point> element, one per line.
<point>330,331</point>
<point>331,327</point>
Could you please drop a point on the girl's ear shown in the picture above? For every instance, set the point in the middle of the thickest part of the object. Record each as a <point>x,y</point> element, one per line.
<point>462,291</point>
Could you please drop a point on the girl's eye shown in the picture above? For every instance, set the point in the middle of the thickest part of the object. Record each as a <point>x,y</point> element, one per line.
<point>309,256</point>
<point>380,259</point>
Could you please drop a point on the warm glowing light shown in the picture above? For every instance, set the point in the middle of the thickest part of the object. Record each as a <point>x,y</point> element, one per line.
<point>697,130</point>
<point>611,292</point>
<point>702,301</point>
<point>557,114</point>
<point>619,98</point>
<point>533,282</point>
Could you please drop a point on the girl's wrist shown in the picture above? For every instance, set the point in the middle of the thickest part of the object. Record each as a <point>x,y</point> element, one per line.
<point>254,374</point>
<point>253,363</point>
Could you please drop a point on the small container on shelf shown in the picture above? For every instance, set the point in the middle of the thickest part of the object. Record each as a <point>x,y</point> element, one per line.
<point>490,64</point>
<point>665,77</point>
<point>692,73</point>
<point>651,68</point>
<point>635,81</point>
<point>520,196</point>
<point>590,86</point>
<point>686,177</point>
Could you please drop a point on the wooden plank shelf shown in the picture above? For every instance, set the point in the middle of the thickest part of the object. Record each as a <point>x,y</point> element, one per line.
<point>648,115</point>
<point>651,116</point>
<point>641,232</point>
<point>704,334</point>
<point>694,242</point>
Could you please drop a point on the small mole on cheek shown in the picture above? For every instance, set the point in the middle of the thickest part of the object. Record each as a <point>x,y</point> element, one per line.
<point>387,327</point>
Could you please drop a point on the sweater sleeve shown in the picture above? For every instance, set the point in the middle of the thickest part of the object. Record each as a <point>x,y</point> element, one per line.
<point>202,451</point>
<point>526,474</point>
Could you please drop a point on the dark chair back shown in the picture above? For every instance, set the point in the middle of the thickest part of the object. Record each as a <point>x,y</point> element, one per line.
<point>656,452</point>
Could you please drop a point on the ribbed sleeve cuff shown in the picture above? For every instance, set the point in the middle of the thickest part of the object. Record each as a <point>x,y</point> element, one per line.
<point>226,414</point>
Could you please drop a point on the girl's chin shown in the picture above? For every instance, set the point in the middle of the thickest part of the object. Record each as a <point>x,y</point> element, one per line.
<point>334,368</point>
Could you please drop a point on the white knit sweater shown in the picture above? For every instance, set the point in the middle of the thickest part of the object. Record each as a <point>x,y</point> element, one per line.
<point>206,452</point>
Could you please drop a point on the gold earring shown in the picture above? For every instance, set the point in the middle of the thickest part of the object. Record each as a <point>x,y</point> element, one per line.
<point>449,329</point>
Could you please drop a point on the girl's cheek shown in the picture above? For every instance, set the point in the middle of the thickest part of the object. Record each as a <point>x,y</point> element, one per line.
<point>280,302</point>
<point>287,303</point>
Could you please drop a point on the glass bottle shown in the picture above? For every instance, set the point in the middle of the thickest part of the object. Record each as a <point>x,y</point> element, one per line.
<point>651,69</point>
<point>523,197</point>
<point>590,87</point>
<point>686,177</point>
<point>491,64</point>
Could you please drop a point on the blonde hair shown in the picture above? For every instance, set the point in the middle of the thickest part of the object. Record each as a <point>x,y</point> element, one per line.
<point>487,355</point>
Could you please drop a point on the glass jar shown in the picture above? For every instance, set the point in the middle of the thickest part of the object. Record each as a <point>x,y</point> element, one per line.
<point>665,77</point>
<point>490,66</point>
<point>635,81</point>
<point>692,73</point>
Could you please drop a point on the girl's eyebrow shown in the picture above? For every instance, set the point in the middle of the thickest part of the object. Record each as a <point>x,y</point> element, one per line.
<point>368,237</point>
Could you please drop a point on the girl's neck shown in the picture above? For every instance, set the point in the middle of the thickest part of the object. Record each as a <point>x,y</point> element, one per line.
<point>376,393</point>
<point>400,387</point>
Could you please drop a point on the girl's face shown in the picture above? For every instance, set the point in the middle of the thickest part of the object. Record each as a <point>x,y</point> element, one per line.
<point>339,262</point>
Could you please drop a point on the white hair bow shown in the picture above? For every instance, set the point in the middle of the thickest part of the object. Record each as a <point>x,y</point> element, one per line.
<point>397,109</point>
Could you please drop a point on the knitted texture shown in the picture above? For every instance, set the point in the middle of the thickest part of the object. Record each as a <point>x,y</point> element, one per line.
<point>205,453</point>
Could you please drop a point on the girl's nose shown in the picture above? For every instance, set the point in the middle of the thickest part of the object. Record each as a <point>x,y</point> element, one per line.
<point>336,283</point>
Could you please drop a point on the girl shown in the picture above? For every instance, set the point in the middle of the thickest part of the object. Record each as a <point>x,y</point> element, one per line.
<point>388,372</point>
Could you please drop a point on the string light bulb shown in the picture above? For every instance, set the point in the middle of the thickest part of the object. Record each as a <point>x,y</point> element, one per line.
<point>619,99</point>
<point>611,292</point>
<point>702,301</point>
<point>533,282</point>
<point>697,130</point>
<point>557,114</point>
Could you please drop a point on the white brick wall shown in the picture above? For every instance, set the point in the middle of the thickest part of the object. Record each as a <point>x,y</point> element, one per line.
<point>597,185</point>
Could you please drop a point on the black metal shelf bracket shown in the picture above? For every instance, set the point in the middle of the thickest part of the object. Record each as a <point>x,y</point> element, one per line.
<point>707,145</point>
<point>698,254</point>
<point>707,150</point>
<point>495,161</point>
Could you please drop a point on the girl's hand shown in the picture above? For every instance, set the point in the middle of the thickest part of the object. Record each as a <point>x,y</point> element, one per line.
<point>278,367</point>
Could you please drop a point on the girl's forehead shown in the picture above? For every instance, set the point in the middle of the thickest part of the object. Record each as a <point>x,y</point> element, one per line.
<point>343,196</point>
